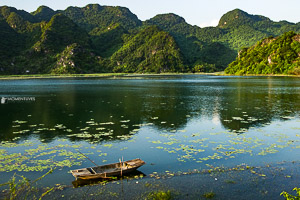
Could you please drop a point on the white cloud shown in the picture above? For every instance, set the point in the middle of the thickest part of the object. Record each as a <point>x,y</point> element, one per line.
<point>213,22</point>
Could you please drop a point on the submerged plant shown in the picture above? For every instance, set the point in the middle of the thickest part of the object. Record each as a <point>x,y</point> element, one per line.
<point>288,196</point>
<point>160,195</point>
<point>24,188</point>
<point>209,195</point>
<point>230,181</point>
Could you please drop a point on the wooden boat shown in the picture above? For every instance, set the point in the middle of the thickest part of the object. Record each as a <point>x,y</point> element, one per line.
<point>108,171</point>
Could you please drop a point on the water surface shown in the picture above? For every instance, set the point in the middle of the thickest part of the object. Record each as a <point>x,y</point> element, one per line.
<point>174,123</point>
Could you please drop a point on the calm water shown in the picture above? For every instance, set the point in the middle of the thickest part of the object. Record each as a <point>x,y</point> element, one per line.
<point>174,123</point>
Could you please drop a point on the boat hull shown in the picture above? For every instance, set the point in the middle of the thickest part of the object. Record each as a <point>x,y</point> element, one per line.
<point>108,171</point>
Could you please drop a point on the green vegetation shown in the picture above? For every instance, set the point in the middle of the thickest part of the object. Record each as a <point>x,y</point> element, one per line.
<point>20,187</point>
<point>212,55</point>
<point>112,39</point>
<point>151,50</point>
<point>58,33</point>
<point>31,160</point>
<point>160,195</point>
<point>288,196</point>
<point>209,195</point>
<point>241,29</point>
<point>96,16</point>
<point>269,56</point>
<point>43,13</point>
<point>36,76</point>
<point>230,182</point>
<point>75,60</point>
<point>106,41</point>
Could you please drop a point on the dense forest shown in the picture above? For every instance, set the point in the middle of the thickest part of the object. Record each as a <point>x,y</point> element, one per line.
<point>95,39</point>
<point>279,55</point>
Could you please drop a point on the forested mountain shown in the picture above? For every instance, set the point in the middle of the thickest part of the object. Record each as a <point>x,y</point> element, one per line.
<point>151,50</point>
<point>96,16</point>
<point>242,29</point>
<point>279,55</point>
<point>43,13</point>
<point>98,38</point>
<point>196,51</point>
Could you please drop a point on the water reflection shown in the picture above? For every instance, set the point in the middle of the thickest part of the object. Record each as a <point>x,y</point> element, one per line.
<point>103,109</point>
<point>254,104</point>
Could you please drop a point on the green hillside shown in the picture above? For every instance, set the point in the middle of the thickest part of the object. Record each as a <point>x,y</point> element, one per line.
<point>76,59</point>
<point>113,39</point>
<point>59,32</point>
<point>43,13</point>
<point>218,46</point>
<point>242,29</point>
<point>96,16</point>
<point>279,55</point>
<point>151,50</point>
<point>106,41</point>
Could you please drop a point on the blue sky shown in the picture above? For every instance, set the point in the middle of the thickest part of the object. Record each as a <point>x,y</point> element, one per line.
<point>196,12</point>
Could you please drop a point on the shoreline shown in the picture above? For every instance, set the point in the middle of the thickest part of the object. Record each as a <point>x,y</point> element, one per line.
<point>109,75</point>
<point>101,75</point>
<point>221,183</point>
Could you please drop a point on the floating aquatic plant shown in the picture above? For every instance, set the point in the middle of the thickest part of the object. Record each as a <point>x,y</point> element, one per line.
<point>288,196</point>
<point>41,158</point>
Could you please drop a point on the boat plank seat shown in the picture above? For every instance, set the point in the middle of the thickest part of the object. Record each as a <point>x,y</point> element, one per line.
<point>92,170</point>
<point>131,163</point>
<point>80,172</point>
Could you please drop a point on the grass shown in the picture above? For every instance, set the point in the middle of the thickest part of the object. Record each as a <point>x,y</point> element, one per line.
<point>105,75</point>
<point>34,76</point>
<point>23,188</point>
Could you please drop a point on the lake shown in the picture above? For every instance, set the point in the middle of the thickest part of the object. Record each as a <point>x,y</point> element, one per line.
<point>232,136</point>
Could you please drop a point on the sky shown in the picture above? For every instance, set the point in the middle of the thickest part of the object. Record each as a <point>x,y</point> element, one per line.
<point>202,13</point>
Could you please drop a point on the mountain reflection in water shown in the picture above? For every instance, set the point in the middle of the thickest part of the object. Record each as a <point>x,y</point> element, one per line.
<point>112,109</point>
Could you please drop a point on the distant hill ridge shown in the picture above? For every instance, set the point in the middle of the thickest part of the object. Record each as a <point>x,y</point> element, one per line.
<point>113,39</point>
